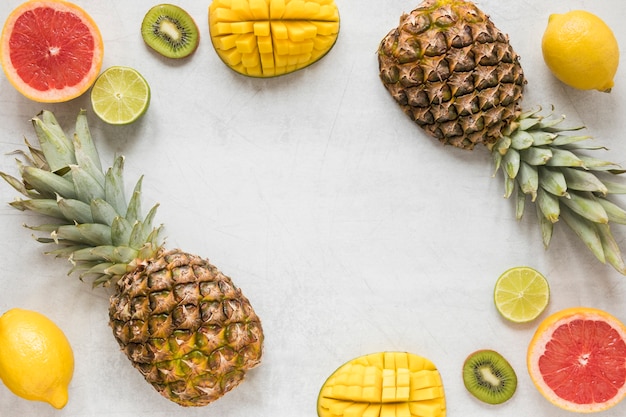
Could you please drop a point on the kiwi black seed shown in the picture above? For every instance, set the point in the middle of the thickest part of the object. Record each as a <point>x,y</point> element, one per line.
<point>489,377</point>
<point>170,31</point>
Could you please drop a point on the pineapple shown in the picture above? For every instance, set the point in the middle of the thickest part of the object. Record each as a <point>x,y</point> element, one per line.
<point>182,323</point>
<point>456,75</point>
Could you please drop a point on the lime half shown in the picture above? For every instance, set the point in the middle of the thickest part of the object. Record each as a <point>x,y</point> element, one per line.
<point>521,294</point>
<point>120,95</point>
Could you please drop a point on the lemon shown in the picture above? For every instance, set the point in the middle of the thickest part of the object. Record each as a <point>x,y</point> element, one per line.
<point>36,359</point>
<point>521,294</point>
<point>581,50</point>
<point>120,95</point>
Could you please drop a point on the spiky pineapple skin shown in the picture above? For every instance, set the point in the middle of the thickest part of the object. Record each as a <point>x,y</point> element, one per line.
<point>185,326</point>
<point>453,72</point>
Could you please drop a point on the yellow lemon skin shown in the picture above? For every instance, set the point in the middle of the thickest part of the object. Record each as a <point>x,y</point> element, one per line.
<point>36,359</point>
<point>581,50</point>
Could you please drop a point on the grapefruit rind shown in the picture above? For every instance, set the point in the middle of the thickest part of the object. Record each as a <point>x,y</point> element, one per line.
<point>52,95</point>
<point>543,336</point>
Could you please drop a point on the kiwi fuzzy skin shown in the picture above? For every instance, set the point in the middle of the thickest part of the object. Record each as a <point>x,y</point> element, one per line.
<point>498,367</point>
<point>180,22</point>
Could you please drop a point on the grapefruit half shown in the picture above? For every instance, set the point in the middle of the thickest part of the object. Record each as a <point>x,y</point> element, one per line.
<point>51,50</point>
<point>577,359</point>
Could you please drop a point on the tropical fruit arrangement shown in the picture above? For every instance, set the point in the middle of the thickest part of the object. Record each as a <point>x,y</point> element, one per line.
<point>184,325</point>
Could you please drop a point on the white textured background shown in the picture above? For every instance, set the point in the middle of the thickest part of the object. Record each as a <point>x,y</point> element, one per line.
<point>348,228</point>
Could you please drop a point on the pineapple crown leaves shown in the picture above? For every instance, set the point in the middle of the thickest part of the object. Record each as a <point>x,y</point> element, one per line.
<point>95,227</point>
<point>545,161</point>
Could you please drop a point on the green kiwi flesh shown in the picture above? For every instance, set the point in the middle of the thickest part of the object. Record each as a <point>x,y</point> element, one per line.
<point>170,31</point>
<point>489,377</point>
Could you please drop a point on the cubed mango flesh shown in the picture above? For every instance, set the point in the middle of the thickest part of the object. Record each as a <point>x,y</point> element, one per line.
<point>297,33</point>
<point>385,384</point>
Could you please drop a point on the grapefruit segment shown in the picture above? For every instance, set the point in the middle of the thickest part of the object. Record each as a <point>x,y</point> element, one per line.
<point>577,359</point>
<point>51,50</point>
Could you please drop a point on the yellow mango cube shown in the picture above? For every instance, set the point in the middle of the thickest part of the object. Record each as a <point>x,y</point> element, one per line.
<point>427,408</point>
<point>277,9</point>
<point>262,28</point>
<point>295,10</point>
<point>246,43</point>
<point>373,410</point>
<point>265,45</point>
<point>355,410</point>
<point>259,9</point>
<point>242,9</point>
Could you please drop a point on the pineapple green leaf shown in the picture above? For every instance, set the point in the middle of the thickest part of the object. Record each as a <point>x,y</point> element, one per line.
<point>615,187</point>
<point>114,186</point>
<point>120,230</point>
<point>48,228</point>
<point>509,185</point>
<point>611,248</point>
<point>520,203</point>
<point>546,225</point>
<point>564,158</point>
<point>46,207</point>
<point>133,212</point>
<point>85,147</point>
<point>528,179</point>
<point>17,185</point>
<point>573,142</point>
<point>87,187</point>
<point>105,253</point>
<point>47,183</point>
<point>35,157</point>
<point>521,139</point>
<point>87,164</point>
<point>553,181</point>
<point>571,185</point>
<point>511,163</point>
<point>548,205</point>
<point>57,149</point>
<point>596,164</point>
<point>144,229</point>
<point>91,233</point>
<point>102,211</point>
<point>586,231</point>
<point>65,251</point>
<point>541,138</point>
<point>75,210</point>
<point>587,206</point>
<point>615,213</point>
<point>536,155</point>
<point>580,180</point>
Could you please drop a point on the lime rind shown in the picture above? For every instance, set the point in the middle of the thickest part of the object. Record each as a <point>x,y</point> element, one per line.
<point>521,294</point>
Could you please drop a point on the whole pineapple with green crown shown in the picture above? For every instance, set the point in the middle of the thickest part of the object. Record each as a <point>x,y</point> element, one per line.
<point>182,323</point>
<point>456,75</point>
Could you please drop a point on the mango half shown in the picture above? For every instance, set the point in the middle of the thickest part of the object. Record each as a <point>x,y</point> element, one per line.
<point>268,38</point>
<point>384,384</point>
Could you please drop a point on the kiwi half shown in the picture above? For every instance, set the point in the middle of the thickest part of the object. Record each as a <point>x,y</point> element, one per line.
<point>489,377</point>
<point>170,31</point>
